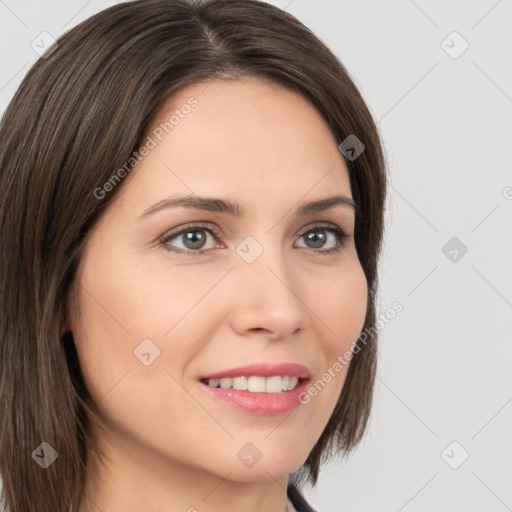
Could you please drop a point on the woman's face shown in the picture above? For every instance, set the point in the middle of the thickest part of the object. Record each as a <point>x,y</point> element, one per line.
<point>168,295</point>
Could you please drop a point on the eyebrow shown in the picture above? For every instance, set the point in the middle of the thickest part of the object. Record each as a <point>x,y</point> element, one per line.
<point>217,205</point>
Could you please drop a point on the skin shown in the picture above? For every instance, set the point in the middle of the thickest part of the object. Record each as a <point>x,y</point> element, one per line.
<point>170,446</point>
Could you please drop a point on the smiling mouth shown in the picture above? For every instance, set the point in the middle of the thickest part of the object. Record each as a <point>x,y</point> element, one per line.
<point>256,384</point>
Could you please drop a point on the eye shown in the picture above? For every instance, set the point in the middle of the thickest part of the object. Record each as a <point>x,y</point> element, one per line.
<point>194,239</point>
<point>318,235</point>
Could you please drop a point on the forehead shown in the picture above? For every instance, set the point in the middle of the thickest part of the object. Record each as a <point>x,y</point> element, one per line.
<point>247,138</point>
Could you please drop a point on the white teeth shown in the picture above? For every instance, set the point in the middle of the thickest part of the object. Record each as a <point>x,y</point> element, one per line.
<point>293,382</point>
<point>274,385</point>
<point>225,383</point>
<point>240,383</point>
<point>214,383</point>
<point>256,384</point>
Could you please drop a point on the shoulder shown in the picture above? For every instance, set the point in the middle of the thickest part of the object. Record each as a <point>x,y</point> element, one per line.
<point>298,501</point>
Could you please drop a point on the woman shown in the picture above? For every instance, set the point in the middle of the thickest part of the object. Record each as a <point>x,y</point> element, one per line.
<point>192,211</point>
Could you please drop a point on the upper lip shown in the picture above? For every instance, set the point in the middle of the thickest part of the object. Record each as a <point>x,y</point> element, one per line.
<point>263,370</point>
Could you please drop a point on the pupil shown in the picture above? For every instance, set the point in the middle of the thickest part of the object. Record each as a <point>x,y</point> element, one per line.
<point>196,238</point>
<point>318,241</point>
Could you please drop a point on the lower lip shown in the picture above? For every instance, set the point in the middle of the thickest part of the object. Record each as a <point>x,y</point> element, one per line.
<point>259,403</point>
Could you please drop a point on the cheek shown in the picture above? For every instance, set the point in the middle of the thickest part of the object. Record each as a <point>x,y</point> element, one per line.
<point>121,306</point>
<point>136,331</point>
<point>342,308</point>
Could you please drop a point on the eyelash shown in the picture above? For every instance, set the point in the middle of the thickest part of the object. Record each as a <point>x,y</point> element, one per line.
<point>339,233</point>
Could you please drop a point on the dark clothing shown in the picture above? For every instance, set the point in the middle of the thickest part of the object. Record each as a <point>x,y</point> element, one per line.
<point>298,501</point>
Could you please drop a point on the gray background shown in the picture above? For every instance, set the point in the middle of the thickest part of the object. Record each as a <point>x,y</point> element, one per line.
<point>445,360</point>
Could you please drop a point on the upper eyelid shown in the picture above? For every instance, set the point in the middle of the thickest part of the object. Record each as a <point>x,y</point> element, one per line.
<point>207,226</point>
<point>214,229</point>
<point>191,226</point>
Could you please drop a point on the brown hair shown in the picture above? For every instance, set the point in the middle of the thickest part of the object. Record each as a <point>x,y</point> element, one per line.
<point>77,117</point>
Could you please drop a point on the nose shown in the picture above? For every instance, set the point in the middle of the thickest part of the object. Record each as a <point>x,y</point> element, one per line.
<point>267,297</point>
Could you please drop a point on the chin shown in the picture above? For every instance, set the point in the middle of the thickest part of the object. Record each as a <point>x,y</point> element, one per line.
<point>260,472</point>
<point>270,463</point>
